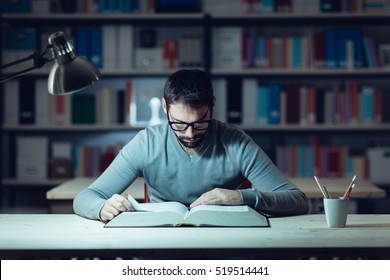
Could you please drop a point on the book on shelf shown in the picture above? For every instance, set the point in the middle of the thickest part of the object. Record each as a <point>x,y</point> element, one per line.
<point>321,159</point>
<point>176,214</point>
<point>341,103</point>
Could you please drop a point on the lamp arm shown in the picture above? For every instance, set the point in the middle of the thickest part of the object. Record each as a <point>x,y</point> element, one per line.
<point>38,59</point>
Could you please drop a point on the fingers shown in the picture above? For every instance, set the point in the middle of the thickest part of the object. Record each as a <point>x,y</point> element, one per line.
<point>219,196</point>
<point>210,197</point>
<point>114,206</point>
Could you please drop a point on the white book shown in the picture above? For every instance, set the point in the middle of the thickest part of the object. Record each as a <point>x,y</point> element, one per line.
<point>249,104</point>
<point>220,93</point>
<point>110,47</point>
<point>42,103</point>
<point>32,147</point>
<point>303,105</point>
<point>61,150</point>
<point>11,102</point>
<point>104,102</point>
<point>126,46</point>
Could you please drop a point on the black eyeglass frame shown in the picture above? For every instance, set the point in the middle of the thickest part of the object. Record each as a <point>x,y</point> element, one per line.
<point>192,124</point>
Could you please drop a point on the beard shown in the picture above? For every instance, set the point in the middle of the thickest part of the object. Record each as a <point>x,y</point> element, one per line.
<point>196,141</point>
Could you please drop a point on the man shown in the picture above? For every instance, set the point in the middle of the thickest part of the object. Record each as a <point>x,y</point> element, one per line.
<point>193,159</point>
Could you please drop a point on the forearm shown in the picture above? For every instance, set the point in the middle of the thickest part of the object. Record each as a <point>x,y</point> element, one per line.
<point>88,204</point>
<point>276,203</point>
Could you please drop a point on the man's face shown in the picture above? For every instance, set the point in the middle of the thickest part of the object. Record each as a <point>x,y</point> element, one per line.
<point>189,124</point>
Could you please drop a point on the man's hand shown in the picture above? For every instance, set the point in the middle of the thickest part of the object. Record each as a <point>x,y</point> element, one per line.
<point>219,196</point>
<point>114,206</point>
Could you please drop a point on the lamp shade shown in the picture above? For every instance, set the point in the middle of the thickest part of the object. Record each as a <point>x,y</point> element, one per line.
<point>70,73</point>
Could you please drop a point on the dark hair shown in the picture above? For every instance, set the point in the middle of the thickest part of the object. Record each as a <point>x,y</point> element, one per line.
<point>190,87</point>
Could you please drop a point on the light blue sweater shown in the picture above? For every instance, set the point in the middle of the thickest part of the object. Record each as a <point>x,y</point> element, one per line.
<point>225,159</point>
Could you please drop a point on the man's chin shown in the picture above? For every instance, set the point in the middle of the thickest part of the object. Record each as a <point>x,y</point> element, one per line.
<point>191,145</point>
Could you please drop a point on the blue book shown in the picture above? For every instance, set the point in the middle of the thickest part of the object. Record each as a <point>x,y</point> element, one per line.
<point>367,103</point>
<point>261,54</point>
<point>82,41</point>
<point>297,51</point>
<point>96,47</point>
<point>301,161</point>
<point>330,47</point>
<point>262,104</point>
<point>19,38</point>
<point>310,162</point>
<point>274,104</point>
<point>357,39</point>
<point>20,6</point>
<point>341,47</point>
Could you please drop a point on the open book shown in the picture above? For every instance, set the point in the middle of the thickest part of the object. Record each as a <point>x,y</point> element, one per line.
<point>177,214</point>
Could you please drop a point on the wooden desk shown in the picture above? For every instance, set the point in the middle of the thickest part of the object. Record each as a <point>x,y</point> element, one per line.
<point>68,235</point>
<point>61,197</point>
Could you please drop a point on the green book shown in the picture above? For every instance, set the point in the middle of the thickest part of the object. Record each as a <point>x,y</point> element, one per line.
<point>83,109</point>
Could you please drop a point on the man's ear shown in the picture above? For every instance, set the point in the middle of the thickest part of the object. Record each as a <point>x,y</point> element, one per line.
<point>164,105</point>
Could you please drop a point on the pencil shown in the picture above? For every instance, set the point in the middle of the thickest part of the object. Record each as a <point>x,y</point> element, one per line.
<point>346,196</point>
<point>349,187</point>
<point>324,193</point>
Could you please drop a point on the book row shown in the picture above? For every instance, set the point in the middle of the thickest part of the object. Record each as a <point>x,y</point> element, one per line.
<point>276,104</point>
<point>320,160</point>
<point>333,161</point>
<point>215,6</point>
<point>295,6</point>
<point>330,48</point>
<point>83,6</point>
<point>63,160</point>
<point>137,102</point>
<point>116,47</point>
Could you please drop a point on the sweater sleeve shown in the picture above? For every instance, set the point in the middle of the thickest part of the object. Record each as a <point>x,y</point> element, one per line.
<point>271,193</point>
<point>124,169</point>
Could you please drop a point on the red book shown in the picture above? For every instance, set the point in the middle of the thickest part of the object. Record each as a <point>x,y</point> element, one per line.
<point>293,107</point>
<point>378,106</point>
<point>319,50</point>
<point>334,162</point>
<point>354,102</point>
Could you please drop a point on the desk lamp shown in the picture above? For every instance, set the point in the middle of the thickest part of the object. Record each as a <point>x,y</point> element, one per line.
<point>69,74</point>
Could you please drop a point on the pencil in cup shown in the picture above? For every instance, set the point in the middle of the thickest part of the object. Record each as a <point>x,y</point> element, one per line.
<point>350,188</point>
<point>323,189</point>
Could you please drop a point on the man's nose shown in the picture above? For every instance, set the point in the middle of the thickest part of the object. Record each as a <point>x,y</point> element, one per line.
<point>189,132</point>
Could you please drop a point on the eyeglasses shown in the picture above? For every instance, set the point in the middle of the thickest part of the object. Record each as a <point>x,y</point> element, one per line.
<point>183,126</point>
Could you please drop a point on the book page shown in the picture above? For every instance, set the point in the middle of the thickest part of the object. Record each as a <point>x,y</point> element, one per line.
<point>145,219</point>
<point>226,216</point>
<point>170,206</point>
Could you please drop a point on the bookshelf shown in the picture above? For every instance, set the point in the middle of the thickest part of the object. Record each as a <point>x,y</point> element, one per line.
<point>359,137</point>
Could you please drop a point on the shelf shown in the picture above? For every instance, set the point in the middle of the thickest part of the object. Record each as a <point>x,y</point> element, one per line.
<point>33,182</point>
<point>303,72</point>
<point>319,127</point>
<point>105,17</point>
<point>108,73</point>
<point>372,72</point>
<point>123,127</point>
<point>299,19</point>
<point>81,128</point>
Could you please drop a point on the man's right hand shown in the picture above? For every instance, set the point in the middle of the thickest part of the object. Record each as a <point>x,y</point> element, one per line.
<point>114,206</point>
